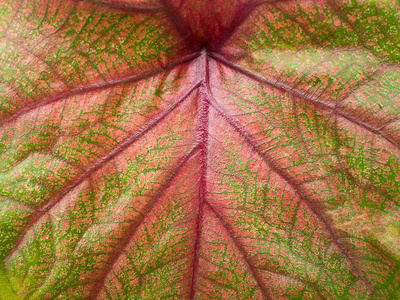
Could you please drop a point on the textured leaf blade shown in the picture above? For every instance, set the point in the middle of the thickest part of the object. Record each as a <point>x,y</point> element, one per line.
<point>199,150</point>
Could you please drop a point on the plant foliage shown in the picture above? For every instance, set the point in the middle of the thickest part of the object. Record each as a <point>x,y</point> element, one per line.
<point>200,149</point>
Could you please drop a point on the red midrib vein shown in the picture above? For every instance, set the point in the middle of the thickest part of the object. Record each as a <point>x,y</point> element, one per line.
<point>205,98</point>
<point>202,139</point>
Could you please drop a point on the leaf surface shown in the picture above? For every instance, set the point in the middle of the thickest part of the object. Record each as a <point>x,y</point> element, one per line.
<point>199,149</point>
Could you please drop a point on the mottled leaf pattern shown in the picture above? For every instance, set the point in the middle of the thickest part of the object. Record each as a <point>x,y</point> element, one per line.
<point>199,149</point>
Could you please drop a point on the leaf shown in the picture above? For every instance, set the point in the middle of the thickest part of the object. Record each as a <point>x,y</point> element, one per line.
<point>7,290</point>
<point>199,149</point>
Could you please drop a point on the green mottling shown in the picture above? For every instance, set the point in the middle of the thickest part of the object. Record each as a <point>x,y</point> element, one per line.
<point>7,291</point>
<point>308,24</point>
<point>59,53</point>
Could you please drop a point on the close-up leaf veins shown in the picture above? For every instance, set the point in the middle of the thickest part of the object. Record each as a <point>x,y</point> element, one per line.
<point>200,149</point>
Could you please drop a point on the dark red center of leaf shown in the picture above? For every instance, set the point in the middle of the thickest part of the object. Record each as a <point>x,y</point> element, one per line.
<point>208,24</point>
